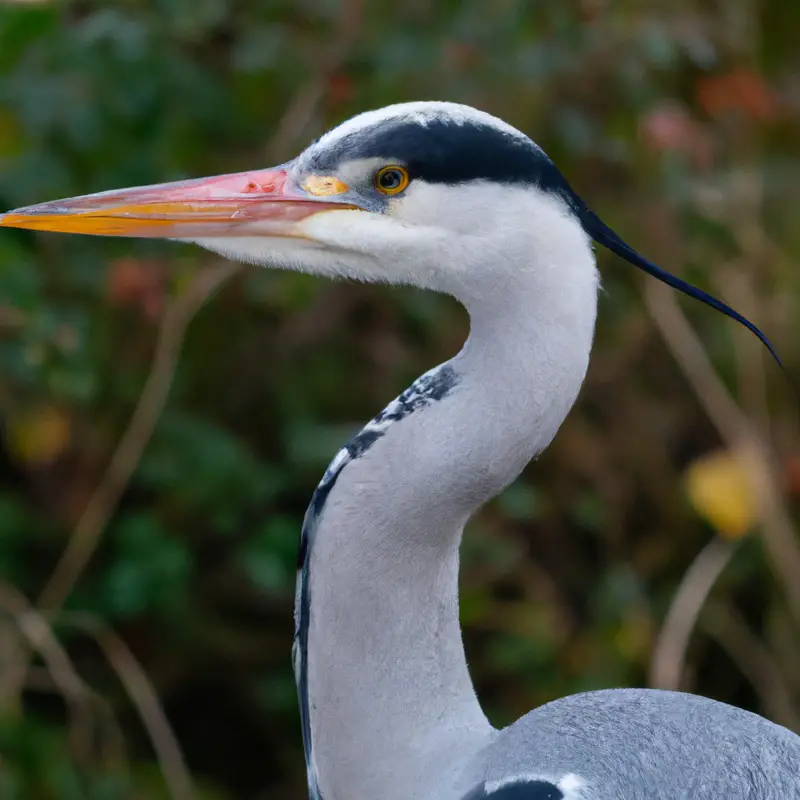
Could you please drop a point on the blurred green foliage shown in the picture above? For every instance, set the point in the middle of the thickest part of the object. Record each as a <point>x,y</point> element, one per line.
<point>678,122</point>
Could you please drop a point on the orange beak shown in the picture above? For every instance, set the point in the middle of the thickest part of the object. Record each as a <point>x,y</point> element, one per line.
<point>259,203</point>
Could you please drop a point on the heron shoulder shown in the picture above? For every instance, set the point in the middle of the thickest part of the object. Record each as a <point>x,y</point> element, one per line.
<point>644,743</point>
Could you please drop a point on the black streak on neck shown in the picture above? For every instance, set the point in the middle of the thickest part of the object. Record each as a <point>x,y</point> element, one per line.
<point>427,389</point>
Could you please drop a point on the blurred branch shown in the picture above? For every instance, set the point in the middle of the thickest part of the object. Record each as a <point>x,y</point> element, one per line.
<point>175,321</point>
<point>39,634</point>
<point>144,697</point>
<point>692,358</point>
<point>749,352</point>
<point>13,667</point>
<point>111,740</point>
<point>755,662</point>
<point>40,637</point>
<point>177,316</point>
<point>737,431</point>
<point>11,317</point>
<point>301,110</point>
<point>669,656</point>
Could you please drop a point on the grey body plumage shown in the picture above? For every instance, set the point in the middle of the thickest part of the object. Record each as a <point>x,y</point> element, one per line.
<point>641,744</point>
<point>473,208</point>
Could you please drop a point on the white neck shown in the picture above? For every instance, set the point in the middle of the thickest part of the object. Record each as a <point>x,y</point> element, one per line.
<point>392,707</point>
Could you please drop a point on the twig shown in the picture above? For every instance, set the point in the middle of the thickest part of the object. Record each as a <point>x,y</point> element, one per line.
<point>738,433</point>
<point>754,660</point>
<point>36,630</point>
<point>301,110</point>
<point>14,659</point>
<point>11,317</point>
<point>111,740</point>
<point>144,697</point>
<point>82,543</point>
<point>749,352</point>
<point>77,695</point>
<point>692,358</point>
<point>176,318</point>
<point>669,656</point>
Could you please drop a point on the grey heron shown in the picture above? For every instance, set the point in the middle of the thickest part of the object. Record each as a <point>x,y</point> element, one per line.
<point>451,199</point>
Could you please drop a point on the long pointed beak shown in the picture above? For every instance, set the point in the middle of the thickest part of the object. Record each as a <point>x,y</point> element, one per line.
<point>259,203</point>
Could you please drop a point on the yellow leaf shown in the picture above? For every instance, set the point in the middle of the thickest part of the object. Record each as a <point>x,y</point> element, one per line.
<point>720,490</point>
<point>38,435</point>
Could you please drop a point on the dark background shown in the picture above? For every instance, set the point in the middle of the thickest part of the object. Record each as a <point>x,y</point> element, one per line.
<point>165,417</point>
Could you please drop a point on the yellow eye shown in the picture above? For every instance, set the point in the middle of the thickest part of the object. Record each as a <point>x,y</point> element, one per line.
<point>391,180</point>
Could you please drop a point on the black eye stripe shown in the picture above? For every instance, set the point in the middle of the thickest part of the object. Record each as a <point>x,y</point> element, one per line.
<point>443,151</point>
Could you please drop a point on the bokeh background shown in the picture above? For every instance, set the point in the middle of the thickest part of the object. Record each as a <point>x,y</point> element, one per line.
<point>165,416</point>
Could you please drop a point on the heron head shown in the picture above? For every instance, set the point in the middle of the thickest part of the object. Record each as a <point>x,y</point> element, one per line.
<point>432,194</point>
<point>437,195</point>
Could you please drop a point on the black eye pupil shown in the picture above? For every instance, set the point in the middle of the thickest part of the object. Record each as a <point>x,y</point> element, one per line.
<point>390,179</point>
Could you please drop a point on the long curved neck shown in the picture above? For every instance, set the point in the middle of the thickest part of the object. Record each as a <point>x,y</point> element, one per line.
<point>388,702</point>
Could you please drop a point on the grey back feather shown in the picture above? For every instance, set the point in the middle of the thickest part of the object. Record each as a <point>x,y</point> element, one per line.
<point>641,744</point>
